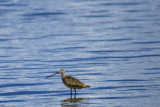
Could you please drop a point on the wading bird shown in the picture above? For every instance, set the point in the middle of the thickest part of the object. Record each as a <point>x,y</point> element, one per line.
<point>70,82</point>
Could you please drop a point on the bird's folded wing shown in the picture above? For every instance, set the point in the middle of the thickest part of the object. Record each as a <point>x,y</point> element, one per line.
<point>73,81</point>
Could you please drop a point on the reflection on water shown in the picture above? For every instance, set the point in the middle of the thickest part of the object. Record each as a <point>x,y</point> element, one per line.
<point>72,102</point>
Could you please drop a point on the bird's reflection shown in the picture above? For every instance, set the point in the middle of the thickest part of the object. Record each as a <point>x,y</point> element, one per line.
<point>72,102</point>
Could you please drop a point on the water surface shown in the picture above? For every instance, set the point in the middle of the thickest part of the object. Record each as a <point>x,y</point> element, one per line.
<point>113,46</point>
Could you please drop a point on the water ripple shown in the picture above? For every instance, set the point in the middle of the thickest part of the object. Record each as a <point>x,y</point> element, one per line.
<point>149,42</point>
<point>13,5</point>
<point>114,40</point>
<point>122,4</point>
<point>125,97</point>
<point>152,69</point>
<point>119,87</point>
<point>8,101</point>
<point>20,84</point>
<point>126,80</point>
<point>27,93</point>
<point>44,14</point>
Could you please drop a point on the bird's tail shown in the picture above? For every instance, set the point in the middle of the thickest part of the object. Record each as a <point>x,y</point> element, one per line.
<point>87,86</point>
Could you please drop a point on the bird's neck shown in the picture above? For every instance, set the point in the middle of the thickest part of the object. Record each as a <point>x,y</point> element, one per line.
<point>63,75</point>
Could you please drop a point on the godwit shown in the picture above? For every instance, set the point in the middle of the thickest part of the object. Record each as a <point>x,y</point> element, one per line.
<point>70,82</point>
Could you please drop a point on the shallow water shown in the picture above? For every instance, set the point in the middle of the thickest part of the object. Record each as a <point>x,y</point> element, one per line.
<point>113,46</point>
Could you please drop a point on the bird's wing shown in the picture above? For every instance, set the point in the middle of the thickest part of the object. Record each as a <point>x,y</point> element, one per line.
<point>73,81</point>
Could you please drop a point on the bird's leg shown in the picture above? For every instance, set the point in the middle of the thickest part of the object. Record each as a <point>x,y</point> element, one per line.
<point>71,92</point>
<point>75,92</point>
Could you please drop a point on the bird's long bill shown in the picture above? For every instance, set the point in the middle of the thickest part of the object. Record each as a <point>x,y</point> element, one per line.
<point>51,75</point>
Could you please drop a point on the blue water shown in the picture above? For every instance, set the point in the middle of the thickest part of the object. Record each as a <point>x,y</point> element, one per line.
<point>113,46</point>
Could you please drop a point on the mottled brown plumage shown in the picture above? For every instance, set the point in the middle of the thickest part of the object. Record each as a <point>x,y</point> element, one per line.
<point>70,82</point>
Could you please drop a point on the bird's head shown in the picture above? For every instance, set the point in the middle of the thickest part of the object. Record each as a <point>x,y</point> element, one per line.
<point>61,71</point>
